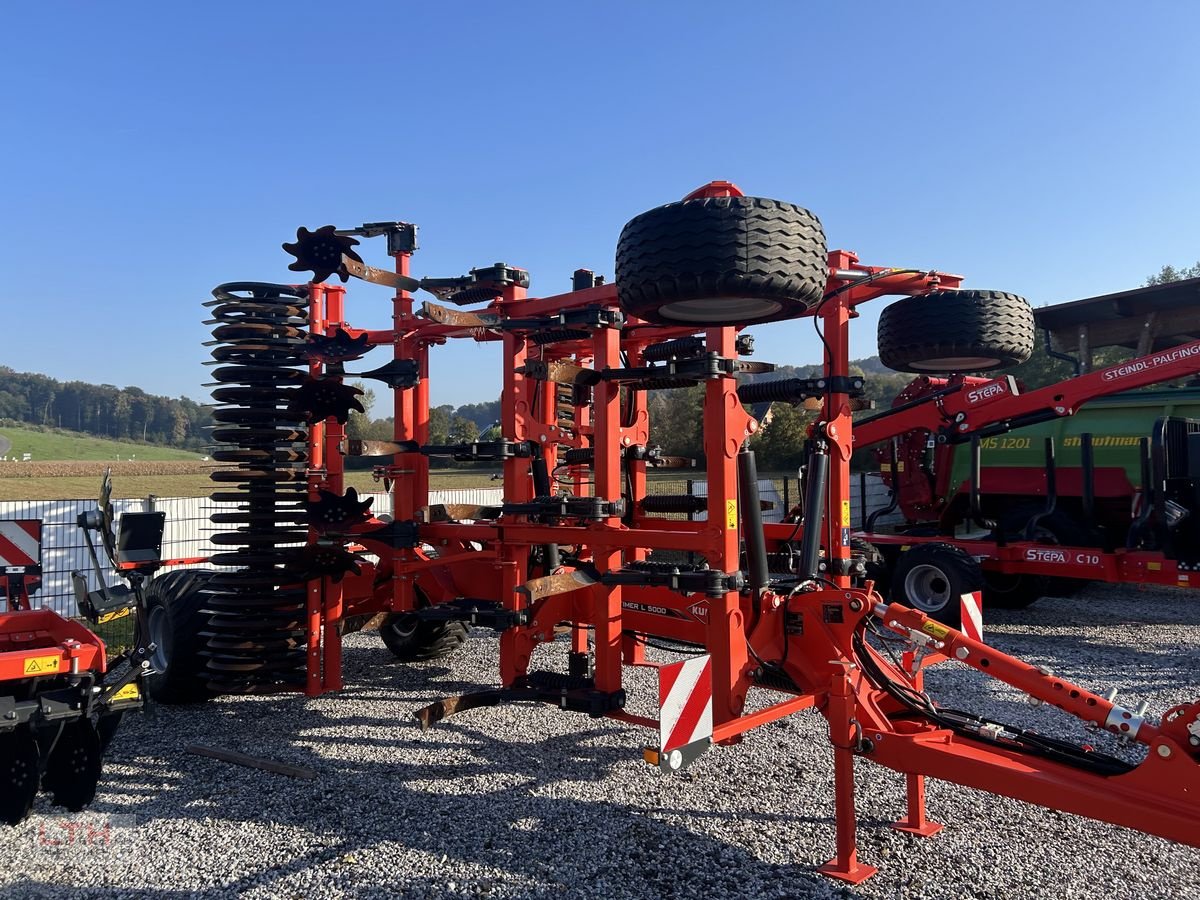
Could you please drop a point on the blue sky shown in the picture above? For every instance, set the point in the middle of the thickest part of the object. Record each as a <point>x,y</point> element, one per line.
<point>154,150</point>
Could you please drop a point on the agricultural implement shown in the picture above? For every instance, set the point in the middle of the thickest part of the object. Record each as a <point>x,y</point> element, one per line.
<point>1019,532</point>
<point>61,697</point>
<point>577,542</point>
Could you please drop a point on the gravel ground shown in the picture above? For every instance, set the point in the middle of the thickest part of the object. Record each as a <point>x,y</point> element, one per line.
<point>527,801</point>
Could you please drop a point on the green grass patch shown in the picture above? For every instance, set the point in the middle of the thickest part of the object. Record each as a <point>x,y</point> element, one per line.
<point>54,445</point>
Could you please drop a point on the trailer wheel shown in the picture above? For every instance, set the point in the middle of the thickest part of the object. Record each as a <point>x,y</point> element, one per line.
<point>1005,591</point>
<point>412,640</point>
<point>956,331</point>
<point>932,578</point>
<point>721,261</point>
<point>175,618</point>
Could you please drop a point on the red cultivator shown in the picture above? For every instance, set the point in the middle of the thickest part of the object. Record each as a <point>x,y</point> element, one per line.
<point>577,542</point>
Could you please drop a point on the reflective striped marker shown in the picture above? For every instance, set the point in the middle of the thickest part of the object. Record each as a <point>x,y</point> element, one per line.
<point>685,703</point>
<point>972,615</point>
<point>20,542</point>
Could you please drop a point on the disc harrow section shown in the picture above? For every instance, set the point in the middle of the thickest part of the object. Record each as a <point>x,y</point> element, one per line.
<point>255,636</point>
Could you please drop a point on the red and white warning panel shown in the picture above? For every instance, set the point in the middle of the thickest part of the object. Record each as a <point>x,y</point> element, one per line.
<point>685,720</point>
<point>20,543</point>
<point>972,615</point>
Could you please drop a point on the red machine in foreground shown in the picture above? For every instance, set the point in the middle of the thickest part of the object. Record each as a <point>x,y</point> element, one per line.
<point>578,541</point>
<point>61,697</point>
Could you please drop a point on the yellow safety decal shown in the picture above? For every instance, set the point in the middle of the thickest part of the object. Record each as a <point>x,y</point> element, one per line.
<point>900,466</point>
<point>129,692</point>
<point>936,629</point>
<point>1154,566</point>
<point>42,665</point>
<point>112,616</point>
<point>885,467</point>
<point>731,514</point>
<point>845,513</point>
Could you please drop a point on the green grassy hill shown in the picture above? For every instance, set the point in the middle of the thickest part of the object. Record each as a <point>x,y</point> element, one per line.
<point>55,445</point>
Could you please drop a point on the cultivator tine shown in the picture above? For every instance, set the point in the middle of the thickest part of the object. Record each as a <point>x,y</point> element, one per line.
<point>73,767</point>
<point>18,774</point>
<point>443,709</point>
<point>355,266</point>
<point>550,585</point>
<point>563,372</point>
<point>355,447</point>
<point>455,318</point>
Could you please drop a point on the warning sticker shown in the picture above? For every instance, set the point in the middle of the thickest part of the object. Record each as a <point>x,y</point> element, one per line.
<point>731,514</point>
<point>129,692</point>
<point>112,616</point>
<point>845,513</point>
<point>936,629</point>
<point>42,665</point>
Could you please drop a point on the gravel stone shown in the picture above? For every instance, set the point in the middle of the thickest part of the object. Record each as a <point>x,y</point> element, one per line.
<point>529,801</point>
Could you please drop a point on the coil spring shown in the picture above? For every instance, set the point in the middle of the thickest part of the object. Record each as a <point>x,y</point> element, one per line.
<point>678,348</point>
<point>556,335</point>
<point>256,629</point>
<point>653,565</point>
<point>786,390</point>
<point>674,503</point>
<point>579,456</point>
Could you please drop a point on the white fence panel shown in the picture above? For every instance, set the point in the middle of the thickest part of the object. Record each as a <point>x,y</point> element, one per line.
<point>185,533</point>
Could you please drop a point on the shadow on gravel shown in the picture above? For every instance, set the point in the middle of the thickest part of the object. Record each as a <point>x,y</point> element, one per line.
<point>453,795</point>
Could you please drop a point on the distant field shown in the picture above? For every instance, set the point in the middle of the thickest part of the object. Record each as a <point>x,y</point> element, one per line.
<point>49,446</point>
<point>81,481</point>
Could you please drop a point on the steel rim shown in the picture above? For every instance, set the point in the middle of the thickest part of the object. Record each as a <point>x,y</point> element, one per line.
<point>157,626</point>
<point>927,588</point>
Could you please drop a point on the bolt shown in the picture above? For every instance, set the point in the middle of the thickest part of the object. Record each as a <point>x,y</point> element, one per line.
<point>855,605</point>
<point>962,652</point>
<point>1164,751</point>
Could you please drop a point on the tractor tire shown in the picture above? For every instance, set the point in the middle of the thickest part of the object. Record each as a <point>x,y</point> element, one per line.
<point>175,609</point>
<point>721,261</point>
<point>956,331</point>
<point>932,577</point>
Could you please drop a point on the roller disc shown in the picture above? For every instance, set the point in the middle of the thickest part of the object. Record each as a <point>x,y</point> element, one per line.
<point>73,768</point>
<point>18,774</point>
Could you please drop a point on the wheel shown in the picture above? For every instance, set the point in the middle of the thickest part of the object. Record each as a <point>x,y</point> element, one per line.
<point>1006,591</point>
<point>73,767</point>
<point>175,618</point>
<point>932,578</point>
<point>721,261</point>
<point>956,331</point>
<point>1062,528</point>
<point>412,640</point>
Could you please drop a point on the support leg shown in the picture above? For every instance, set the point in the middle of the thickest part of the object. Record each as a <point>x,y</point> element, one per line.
<point>916,823</point>
<point>845,865</point>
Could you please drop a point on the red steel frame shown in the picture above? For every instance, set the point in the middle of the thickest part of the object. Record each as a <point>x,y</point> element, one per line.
<point>736,629</point>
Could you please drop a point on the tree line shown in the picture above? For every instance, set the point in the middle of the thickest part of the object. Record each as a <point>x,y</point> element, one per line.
<point>103,410</point>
